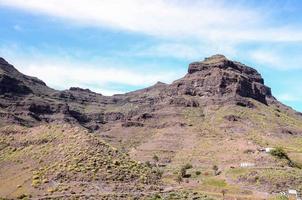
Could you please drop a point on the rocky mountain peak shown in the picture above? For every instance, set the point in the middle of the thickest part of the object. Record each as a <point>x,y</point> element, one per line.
<point>221,62</point>
<point>215,58</point>
<point>78,89</point>
<point>2,61</point>
<point>221,79</point>
<point>6,68</point>
<point>14,82</point>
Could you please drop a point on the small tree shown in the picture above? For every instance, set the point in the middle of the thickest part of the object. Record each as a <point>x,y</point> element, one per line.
<point>280,153</point>
<point>197,173</point>
<point>155,158</point>
<point>183,171</point>
<point>179,178</point>
<point>148,164</point>
<point>215,169</point>
<point>223,192</point>
<point>188,166</point>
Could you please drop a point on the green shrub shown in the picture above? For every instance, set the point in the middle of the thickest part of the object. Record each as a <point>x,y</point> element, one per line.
<point>183,171</point>
<point>148,164</point>
<point>155,158</point>
<point>280,197</point>
<point>187,166</point>
<point>179,178</point>
<point>23,196</point>
<point>280,153</point>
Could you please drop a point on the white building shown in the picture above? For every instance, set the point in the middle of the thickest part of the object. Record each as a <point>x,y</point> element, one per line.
<point>268,149</point>
<point>247,164</point>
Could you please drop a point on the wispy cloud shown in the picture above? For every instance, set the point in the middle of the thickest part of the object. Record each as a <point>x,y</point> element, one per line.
<point>101,76</point>
<point>188,51</point>
<point>80,74</point>
<point>199,19</point>
<point>289,97</point>
<point>284,58</point>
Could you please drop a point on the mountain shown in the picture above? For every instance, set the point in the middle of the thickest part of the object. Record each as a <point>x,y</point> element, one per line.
<point>198,136</point>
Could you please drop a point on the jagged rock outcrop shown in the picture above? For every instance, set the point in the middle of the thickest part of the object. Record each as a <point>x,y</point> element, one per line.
<point>218,78</point>
<point>12,86</point>
<point>28,84</point>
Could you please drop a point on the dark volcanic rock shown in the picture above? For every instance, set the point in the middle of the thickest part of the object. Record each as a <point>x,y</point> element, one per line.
<point>79,95</point>
<point>80,89</point>
<point>290,131</point>
<point>179,101</point>
<point>13,86</point>
<point>219,78</point>
<point>214,81</point>
<point>114,116</point>
<point>144,116</point>
<point>34,84</point>
<point>232,118</point>
<point>80,117</point>
<point>132,124</point>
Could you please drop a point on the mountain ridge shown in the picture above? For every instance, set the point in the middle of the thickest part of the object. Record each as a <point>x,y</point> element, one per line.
<point>217,117</point>
<point>216,80</point>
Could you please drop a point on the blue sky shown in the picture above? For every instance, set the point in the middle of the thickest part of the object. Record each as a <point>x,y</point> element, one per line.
<point>113,46</point>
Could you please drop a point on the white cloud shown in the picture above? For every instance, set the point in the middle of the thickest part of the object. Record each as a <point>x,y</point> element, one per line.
<point>87,74</point>
<point>265,57</point>
<point>99,77</point>
<point>287,97</point>
<point>174,50</point>
<point>206,20</point>
<point>184,51</point>
<point>277,58</point>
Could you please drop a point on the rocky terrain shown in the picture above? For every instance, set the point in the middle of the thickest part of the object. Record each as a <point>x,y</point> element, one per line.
<point>202,136</point>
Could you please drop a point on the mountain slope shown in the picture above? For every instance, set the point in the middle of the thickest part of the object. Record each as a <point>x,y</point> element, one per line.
<point>61,160</point>
<point>218,118</point>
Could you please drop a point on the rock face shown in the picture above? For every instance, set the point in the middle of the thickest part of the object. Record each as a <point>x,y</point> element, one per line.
<point>216,80</point>
<point>13,86</point>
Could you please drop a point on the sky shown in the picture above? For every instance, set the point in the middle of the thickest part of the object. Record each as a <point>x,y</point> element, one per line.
<point>116,46</point>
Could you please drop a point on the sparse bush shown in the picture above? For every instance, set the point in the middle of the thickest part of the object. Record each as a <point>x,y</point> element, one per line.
<point>155,197</point>
<point>187,166</point>
<point>280,153</point>
<point>158,172</point>
<point>179,178</point>
<point>281,197</point>
<point>215,169</point>
<point>155,158</point>
<point>248,151</point>
<point>183,171</point>
<point>23,196</point>
<point>148,164</point>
